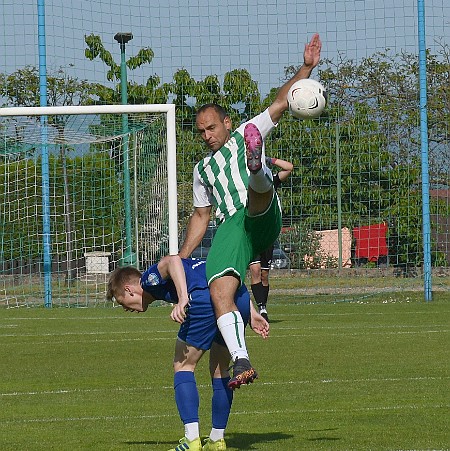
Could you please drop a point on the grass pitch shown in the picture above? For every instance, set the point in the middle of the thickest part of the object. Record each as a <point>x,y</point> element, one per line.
<point>365,375</point>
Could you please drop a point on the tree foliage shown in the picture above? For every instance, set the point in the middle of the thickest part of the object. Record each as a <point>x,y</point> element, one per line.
<point>356,165</point>
<point>149,92</point>
<point>95,194</point>
<point>21,88</point>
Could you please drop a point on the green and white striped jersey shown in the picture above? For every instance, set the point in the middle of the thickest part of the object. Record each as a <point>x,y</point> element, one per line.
<point>221,178</point>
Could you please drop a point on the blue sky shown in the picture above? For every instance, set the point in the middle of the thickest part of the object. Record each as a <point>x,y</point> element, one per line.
<point>263,36</point>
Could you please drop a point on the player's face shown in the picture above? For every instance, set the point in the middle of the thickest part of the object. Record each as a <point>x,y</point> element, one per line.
<point>213,130</point>
<point>132,300</point>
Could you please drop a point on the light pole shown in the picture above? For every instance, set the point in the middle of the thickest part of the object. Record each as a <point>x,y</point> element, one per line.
<point>128,257</point>
<point>122,39</point>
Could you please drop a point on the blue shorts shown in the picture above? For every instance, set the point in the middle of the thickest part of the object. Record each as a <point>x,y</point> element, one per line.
<point>200,327</point>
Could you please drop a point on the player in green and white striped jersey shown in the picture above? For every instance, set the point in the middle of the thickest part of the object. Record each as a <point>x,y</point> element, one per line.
<point>247,207</point>
<point>222,177</point>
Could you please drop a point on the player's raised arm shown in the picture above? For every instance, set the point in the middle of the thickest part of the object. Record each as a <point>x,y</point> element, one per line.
<point>311,58</point>
<point>286,167</point>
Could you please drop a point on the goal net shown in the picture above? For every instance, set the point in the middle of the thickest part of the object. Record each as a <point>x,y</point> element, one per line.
<point>84,190</point>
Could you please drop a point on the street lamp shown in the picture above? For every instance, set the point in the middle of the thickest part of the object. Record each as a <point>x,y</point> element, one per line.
<point>128,258</point>
<point>122,39</point>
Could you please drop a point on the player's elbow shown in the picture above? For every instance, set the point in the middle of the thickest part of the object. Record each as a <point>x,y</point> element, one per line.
<point>201,216</point>
<point>168,259</point>
<point>278,107</point>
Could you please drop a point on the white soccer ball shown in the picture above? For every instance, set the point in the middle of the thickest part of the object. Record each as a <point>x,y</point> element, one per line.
<point>306,99</point>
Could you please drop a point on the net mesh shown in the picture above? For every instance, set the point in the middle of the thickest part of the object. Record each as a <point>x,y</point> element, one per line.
<point>357,168</point>
<point>87,202</point>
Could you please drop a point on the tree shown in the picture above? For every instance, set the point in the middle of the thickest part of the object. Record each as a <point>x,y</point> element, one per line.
<point>372,118</point>
<point>150,92</point>
<point>374,105</point>
<point>95,193</point>
<point>389,84</point>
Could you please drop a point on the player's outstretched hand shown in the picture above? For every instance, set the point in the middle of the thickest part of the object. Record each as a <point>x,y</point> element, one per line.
<point>311,55</point>
<point>259,324</point>
<point>178,313</point>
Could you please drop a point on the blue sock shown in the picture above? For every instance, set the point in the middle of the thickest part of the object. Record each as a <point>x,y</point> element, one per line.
<point>186,396</point>
<point>221,402</point>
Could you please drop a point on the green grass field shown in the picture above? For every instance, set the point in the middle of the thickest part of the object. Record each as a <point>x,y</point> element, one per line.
<point>365,375</point>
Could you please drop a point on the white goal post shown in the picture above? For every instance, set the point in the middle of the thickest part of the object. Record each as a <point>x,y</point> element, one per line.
<point>57,162</point>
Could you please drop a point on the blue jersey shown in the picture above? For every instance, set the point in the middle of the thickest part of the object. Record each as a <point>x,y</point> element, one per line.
<point>153,283</point>
<point>200,327</point>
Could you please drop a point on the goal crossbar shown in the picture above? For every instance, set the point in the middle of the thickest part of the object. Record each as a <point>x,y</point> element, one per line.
<point>89,109</point>
<point>169,109</point>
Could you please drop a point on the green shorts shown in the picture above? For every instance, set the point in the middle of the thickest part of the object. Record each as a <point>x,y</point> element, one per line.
<point>240,238</point>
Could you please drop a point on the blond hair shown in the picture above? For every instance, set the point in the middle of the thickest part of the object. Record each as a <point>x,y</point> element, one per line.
<point>119,278</point>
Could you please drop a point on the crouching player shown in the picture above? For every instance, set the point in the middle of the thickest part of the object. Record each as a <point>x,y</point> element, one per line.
<point>183,281</point>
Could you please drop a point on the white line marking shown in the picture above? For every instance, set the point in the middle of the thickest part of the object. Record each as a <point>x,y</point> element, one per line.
<point>236,412</point>
<point>207,386</point>
<point>362,333</point>
<point>275,328</point>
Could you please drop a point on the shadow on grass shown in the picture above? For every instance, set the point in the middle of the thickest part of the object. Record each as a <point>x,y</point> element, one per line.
<point>245,441</point>
<point>322,438</point>
<point>241,441</point>
<point>275,321</point>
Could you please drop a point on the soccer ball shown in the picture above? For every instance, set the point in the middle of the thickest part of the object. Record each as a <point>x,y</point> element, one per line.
<point>306,99</point>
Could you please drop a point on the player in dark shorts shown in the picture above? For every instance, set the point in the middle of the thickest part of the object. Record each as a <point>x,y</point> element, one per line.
<point>260,265</point>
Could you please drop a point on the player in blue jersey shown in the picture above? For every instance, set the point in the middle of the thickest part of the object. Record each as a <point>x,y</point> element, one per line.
<point>234,180</point>
<point>184,280</point>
